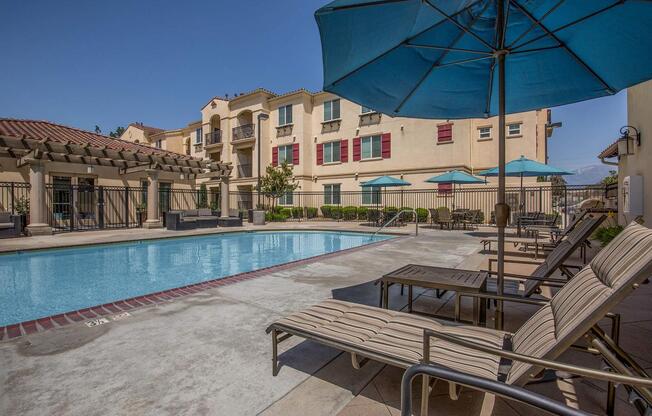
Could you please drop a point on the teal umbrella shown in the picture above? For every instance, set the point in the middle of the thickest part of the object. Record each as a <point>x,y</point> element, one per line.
<point>455,177</point>
<point>384,182</point>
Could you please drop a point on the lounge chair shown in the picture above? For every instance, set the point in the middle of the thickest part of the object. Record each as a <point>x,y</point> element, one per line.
<point>552,231</point>
<point>444,218</point>
<point>402,340</point>
<point>471,218</point>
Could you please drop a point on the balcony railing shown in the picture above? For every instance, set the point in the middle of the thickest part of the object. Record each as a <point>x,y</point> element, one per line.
<point>243,132</point>
<point>245,170</point>
<point>214,137</point>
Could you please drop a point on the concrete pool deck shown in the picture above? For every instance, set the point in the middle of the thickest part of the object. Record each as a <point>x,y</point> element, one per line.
<point>207,353</point>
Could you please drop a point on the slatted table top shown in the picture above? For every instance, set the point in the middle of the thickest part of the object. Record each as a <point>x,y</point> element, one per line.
<point>438,278</point>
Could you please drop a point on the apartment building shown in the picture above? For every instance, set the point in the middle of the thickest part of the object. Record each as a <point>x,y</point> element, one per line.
<point>334,144</point>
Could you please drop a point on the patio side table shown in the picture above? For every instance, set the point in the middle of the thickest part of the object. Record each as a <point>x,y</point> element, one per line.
<point>440,279</point>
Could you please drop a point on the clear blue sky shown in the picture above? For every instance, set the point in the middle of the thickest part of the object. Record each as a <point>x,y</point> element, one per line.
<point>109,63</point>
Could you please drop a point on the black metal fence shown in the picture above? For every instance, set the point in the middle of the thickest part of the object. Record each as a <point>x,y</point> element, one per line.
<point>353,205</point>
<point>14,197</point>
<point>84,207</point>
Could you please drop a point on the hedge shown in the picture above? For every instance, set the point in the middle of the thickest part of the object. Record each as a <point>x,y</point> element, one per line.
<point>349,213</point>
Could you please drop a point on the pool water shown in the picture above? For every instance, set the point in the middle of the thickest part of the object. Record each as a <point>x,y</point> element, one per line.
<point>49,282</point>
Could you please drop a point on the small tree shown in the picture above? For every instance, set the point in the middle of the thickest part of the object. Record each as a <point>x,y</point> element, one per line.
<point>611,179</point>
<point>277,182</point>
<point>117,133</point>
<point>202,199</point>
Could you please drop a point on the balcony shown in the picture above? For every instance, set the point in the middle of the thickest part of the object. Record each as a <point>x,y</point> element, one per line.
<point>214,137</point>
<point>243,132</point>
<point>245,170</point>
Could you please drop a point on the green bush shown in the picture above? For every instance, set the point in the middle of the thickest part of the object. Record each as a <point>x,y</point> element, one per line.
<point>407,216</point>
<point>274,217</point>
<point>277,209</point>
<point>362,213</point>
<point>606,234</point>
<point>297,212</point>
<point>326,211</point>
<point>311,212</point>
<point>336,213</point>
<point>390,209</point>
<point>350,213</point>
<point>422,213</point>
<point>286,212</point>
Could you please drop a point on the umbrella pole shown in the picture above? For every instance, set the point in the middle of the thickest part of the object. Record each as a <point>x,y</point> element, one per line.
<point>501,210</point>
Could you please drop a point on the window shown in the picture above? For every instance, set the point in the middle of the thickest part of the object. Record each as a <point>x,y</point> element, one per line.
<point>61,197</point>
<point>286,199</point>
<point>159,143</point>
<point>514,129</point>
<point>332,194</point>
<point>366,110</point>
<point>332,110</point>
<point>484,133</point>
<point>370,195</point>
<point>371,147</point>
<point>332,152</point>
<point>85,198</point>
<point>198,136</point>
<point>285,154</point>
<point>285,115</point>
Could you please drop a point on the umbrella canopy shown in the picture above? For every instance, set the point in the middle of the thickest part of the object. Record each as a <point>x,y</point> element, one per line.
<point>526,168</point>
<point>384,181</point>
<point>455,177</point>
<point>448,59</point>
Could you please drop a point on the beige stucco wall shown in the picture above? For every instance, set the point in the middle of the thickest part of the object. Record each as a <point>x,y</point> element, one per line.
<point>639,103</point>
<point>135,135</point>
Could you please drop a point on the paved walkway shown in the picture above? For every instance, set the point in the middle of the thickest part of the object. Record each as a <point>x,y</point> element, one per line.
<point>208,353</point>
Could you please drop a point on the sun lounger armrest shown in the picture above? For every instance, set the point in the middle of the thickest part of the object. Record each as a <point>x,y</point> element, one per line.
<point>538,362</point>
<point>492,261</point>
<point>506,298</point>
<point>520,276</point>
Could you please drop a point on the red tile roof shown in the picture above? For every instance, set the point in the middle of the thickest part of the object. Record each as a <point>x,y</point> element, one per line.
<point>611,151</point>
<point>39,130</point>
<point>146,129</point>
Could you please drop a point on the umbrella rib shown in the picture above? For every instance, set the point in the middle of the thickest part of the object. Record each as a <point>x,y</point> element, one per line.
<point>565,47</point>
<point>573,23</point>
<point>522,35</point>
<point>459,25</point>
<point>362,5</point>
<point>448,49</point>
<point>490,88</point>
<point>393,48</point>
<point>543,48</point>
<point>438,61</point>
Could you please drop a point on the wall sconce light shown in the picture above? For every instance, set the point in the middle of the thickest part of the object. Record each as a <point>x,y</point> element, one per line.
<point>357,130</point>
<point>315,139</point>
<point>628,136</point>
<point>182,176</point>
<point>90,169</point>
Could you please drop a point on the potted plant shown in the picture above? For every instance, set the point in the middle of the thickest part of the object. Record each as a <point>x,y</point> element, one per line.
<point>141,213</point>
<point>22,209</point>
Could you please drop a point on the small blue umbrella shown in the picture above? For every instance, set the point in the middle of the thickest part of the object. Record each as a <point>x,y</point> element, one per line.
<point>525,167</point>
<point>446,59</point>
<point>384,182</point>
<point>455,177</point>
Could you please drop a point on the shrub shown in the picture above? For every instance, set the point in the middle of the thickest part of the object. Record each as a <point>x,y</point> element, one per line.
<point>362,213</point>
<point>274,217</point>
<point>407,216</point>
<point>350,213</point>
<point>277,209</point>
<point>390,209</point>
<point>606,234</point>
<point>311,212</point>
<point>422,214</point>
<point>286,212</point>
<point>336,213</point>
<point>326,211</point>
<point>297,212</point>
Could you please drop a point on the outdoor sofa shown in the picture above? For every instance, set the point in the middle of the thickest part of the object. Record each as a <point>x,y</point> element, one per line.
<point>190,219</point>
<point>403,340</point>
<point>10,225</point>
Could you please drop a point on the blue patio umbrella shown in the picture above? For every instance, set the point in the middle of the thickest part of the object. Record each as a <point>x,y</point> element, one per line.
<point>455,177</point>
<point>523,168</point>
<point>446,59</point>
<point>384,182</point>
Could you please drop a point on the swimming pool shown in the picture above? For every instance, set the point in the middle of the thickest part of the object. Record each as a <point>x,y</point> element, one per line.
<point>49,282</point>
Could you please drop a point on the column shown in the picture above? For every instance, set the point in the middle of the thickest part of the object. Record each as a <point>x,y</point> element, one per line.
<point>153,220</point>
<point>224,197</point>
<point>38,223</point>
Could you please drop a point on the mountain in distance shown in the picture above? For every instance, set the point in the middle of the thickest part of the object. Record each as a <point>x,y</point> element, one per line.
<point>589,175</point>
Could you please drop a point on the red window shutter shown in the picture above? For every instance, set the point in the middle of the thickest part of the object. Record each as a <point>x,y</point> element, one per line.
<point>445,188</point>
<point>445,132</point>
<point>295,154</point>
<point>344,151</point>
<point>386,145</point>
<point>356,149</point>
<point>275,156</point>
<point>320,153</point>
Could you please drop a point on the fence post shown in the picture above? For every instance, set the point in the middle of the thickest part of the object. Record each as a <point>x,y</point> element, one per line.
<point>100,206</point>
<point>71,208</point>
<point>126,207</point>
<point>565,206</point>
<point>13,209</point>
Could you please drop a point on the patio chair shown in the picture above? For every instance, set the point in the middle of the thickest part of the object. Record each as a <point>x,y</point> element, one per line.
<point>10,225</point>
<point>402,340</point>
<point>434,216</point>
<point>552,231</point>
<point>444,218</point>
<point>470,218</point>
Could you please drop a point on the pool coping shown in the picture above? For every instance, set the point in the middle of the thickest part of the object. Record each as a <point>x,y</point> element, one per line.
<point>17,330</point>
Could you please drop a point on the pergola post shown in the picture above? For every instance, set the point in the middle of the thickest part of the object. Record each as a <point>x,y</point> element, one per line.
<point>38,224</point>
<point>153,220</point>
<point>224,197</point>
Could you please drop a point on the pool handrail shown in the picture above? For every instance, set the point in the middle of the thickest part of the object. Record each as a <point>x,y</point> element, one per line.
<point>398,214</point>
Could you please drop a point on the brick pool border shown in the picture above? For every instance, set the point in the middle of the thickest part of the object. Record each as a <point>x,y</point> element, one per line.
<point>13,331</point>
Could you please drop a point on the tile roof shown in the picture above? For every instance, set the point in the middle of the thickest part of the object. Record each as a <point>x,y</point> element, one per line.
<point>146,129</point>
<point>39,130</point>
<point>611,151</point>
